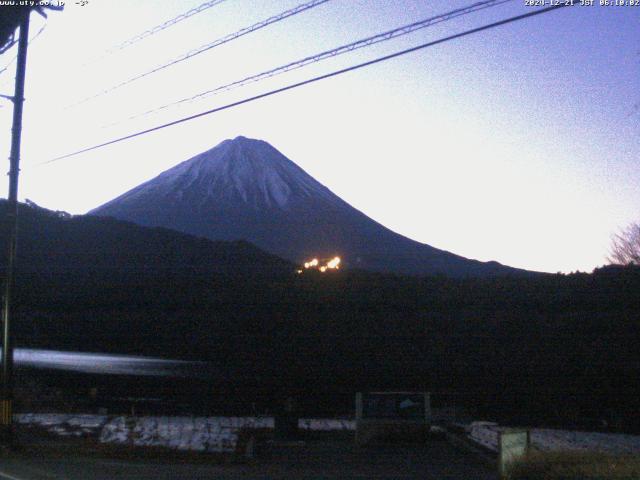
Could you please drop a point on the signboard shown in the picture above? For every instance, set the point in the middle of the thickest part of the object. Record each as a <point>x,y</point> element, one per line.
<point>394,405</point>
<point>513,445</point>
<point>392,416</point>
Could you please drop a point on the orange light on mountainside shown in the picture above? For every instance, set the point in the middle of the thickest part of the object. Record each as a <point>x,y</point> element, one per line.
<point>321,265</point>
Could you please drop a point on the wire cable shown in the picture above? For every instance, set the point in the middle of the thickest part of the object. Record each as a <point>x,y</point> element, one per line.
<point>203,48</point>
<point>311,80</point>
<point>151,31</point>
<point>365,42</point>
<point>13,59</point>
<point>165,25</point>
<point>11,41</point>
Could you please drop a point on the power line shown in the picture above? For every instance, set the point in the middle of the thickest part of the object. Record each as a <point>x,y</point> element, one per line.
<point>220,41</point>
<point>11,41</point>
<point>165,25</point>
<point>365,42</point>
<point>153,30</point>
<point>312,80</point>
<point>4,69</point>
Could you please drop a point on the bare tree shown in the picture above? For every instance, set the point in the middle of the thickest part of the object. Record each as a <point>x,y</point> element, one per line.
<point>625,246</point>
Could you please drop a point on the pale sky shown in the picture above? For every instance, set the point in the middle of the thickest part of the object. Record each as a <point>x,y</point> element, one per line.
<point>517,144</point>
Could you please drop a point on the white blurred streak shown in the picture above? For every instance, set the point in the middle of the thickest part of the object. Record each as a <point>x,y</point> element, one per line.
<point>103,363</point>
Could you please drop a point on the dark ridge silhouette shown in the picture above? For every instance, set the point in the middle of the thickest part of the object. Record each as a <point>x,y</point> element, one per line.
<point>551,346</point>
<point>51,241</point>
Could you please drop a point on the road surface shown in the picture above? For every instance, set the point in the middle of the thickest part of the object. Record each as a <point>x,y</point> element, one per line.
<point>315,460</point>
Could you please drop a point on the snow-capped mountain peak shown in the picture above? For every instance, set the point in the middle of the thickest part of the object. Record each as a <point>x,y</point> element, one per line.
<point>242,169</point>
<point>245,189</point>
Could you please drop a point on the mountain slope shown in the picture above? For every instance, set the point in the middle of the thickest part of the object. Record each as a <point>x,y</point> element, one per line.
<point>246,189</point>
<point>52,242</point>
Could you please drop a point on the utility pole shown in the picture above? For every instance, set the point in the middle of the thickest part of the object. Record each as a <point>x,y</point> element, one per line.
<point>6,399</point>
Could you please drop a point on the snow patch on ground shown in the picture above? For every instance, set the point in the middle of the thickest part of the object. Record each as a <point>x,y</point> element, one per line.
<point>485,434</point>
<point>326,424</point>
<point>204,434</point>
<point>210,434</point>
<point>220,434</point>
<point>64,424</point>
<point>545,439</point>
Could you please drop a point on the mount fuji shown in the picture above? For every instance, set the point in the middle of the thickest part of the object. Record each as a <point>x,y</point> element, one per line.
<point>245,189</point>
